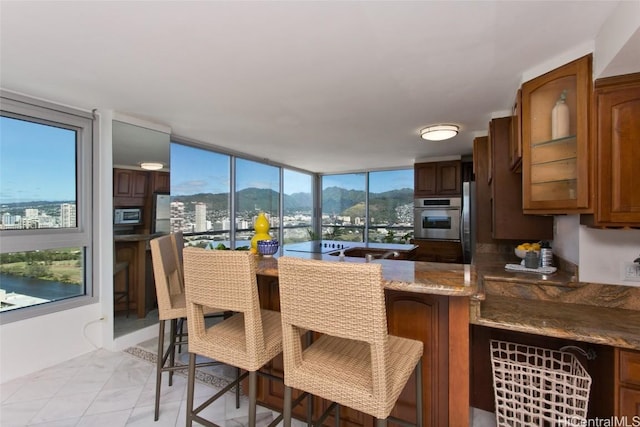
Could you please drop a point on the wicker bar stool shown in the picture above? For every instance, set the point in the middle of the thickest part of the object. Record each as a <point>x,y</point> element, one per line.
<point>248,339</point>
<point>169,280</point>
<point>355,362</point>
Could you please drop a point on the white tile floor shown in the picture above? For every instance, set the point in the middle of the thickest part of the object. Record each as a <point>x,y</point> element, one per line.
<point>114,389</point>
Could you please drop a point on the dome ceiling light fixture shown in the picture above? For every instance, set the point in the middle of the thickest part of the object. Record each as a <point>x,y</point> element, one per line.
<point>439,132</point>
<point>151,166</point>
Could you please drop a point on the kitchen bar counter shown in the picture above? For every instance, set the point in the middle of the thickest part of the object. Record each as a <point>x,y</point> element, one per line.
<point>556,305</point>
<point>425,301</point>
<point>133,248</point>
<point>408,276</point>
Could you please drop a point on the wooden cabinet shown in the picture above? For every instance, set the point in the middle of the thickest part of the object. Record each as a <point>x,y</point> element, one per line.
<point>515,142</point>
<point>423,317</point>
<point>434,179</point>
<point>556,160</point>
<point>617,135</point>
<point>129,251</point>
<point>498,209</point>
<point>129,187</point>
<point>628,383</point>
<point>438,251</point>
<point>507,218</point>
<point>160,182</point>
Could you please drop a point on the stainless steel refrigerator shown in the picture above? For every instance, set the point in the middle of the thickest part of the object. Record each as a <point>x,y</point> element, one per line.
<point>161,221</point>
<point>468,223</point>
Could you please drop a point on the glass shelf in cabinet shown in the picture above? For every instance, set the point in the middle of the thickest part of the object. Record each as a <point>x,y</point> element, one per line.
<point>554,190</point>
<point>553,141</point>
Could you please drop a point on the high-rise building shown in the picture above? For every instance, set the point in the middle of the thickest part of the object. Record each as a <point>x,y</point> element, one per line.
<point>177,217</point>
<point>68,215</point>
<point>201,217</point>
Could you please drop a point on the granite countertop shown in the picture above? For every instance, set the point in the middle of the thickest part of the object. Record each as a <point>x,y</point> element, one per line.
<point>409,276</point>
<point>556,305</point>
<point>135,237</point>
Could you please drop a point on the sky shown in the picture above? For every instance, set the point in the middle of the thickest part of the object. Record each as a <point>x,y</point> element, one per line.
<point>37,162</point>
<point>194,170</point>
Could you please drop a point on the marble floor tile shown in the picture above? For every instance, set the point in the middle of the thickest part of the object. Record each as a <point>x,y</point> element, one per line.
<point>115,389</point>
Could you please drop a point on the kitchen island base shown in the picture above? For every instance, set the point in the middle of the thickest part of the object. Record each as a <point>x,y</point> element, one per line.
<point>440,322</point>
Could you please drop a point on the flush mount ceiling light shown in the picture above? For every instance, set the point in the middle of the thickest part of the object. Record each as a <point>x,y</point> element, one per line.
<point>151,166</point>
<point>439,132</point>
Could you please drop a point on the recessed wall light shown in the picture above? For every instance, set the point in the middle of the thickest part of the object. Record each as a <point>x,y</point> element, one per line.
<point>439,132</point>
<point>152,166</point>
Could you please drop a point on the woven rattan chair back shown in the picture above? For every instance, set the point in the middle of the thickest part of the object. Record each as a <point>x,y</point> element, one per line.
<point>224,280</point>
<point>344,300</point>
<point>340,299</point>
<point>353,361</point>
<point>167,271</point>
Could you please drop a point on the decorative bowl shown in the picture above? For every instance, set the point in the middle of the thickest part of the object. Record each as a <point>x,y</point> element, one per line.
<point>267,247</point>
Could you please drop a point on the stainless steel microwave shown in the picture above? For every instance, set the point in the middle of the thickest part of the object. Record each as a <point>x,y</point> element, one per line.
<point>127,216</point>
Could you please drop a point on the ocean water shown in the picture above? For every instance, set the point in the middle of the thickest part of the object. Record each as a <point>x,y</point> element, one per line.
<point>39,288</point>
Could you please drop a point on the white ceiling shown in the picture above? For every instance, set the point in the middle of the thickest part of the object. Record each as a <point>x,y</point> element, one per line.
<point>324,86</point>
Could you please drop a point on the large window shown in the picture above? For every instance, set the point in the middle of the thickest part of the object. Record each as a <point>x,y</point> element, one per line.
<point>202,182</point>
<point>372,206</point>
<point>344,208</point>
<point>200,188</point>
<point>45,208</point>
<point>298,207</point>
<point>257,190</point>
<point>390,218</point>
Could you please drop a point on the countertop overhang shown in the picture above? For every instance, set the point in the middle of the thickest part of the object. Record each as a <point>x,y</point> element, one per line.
<point>550,305</point>
<point>409,276</point>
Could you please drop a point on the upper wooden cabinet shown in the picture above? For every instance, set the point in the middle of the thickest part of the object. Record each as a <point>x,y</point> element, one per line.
<point>515,142</point>
<point>507,218</point>
<point>129,187</point>
<point>434,179</point>
<point>160,182</point>
<point>617,135</point>
<point>556,154</point>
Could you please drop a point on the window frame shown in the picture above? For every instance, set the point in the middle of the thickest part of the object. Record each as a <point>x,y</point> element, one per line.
<point>234,156</point>
<point>41,112</point>
<point>367,226</point>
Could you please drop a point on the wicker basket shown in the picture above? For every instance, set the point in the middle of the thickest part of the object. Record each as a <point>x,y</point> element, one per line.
<point>538,387</point>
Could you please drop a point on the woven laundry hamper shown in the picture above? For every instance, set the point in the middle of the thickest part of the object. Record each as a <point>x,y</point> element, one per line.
<point>538,387</point>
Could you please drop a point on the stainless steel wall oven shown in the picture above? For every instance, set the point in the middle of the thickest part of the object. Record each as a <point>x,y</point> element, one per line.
<point>438,218</point>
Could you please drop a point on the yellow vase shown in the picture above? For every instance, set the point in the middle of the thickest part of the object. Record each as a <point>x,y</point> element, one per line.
<point>261,226</point>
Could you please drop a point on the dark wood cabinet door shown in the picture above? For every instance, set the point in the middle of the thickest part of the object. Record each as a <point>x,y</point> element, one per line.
<point>515,143</point>
<point>448,179</point>
<point>618,134</point>
<point>434,179</point>
<point>122,182</point>
<point>402,311</point>
<point>628,396</point>
<point>425,179</point>
<point>160,182</point>
<point>139,184</point>
<point>629,404</point>
<point>129,187</point>
<point>507,216</point>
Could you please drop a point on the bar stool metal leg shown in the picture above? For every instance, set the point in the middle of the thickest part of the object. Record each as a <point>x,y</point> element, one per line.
<point>286,411</point>
<point>159,368</point>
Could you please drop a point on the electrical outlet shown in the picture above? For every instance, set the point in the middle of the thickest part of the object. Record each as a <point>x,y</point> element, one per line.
<point>630,271</point>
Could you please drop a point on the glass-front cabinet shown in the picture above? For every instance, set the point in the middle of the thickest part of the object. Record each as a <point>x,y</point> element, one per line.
<point>555,137</point>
